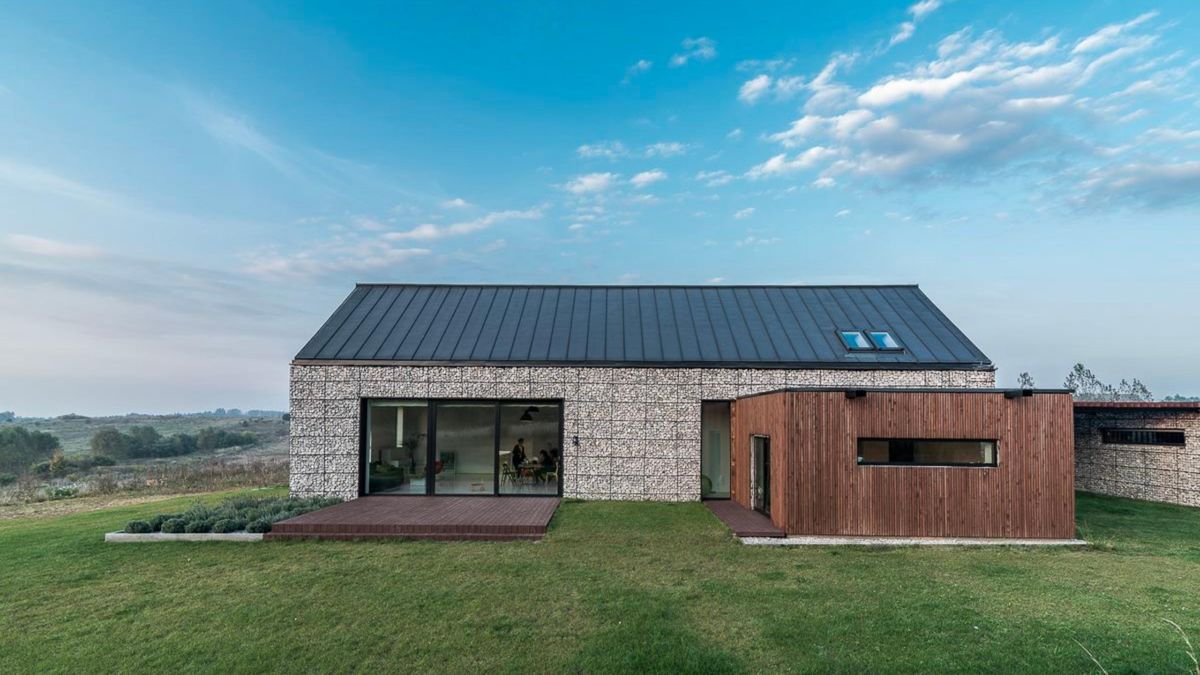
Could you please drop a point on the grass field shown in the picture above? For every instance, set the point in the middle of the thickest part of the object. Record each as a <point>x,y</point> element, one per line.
<point>614,587</point>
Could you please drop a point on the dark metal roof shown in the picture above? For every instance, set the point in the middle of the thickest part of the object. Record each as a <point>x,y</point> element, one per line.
<point>1137,405</point>
<point>707,326</point>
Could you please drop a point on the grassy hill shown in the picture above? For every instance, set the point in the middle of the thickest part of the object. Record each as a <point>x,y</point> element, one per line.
<point>76,431</point>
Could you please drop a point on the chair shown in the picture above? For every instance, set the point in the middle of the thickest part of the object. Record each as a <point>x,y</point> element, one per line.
<point>507,473</point>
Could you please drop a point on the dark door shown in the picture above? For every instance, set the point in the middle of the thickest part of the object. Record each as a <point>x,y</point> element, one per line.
<point>761,447</point>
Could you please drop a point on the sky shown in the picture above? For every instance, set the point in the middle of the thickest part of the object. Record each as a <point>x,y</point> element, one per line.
<point>188,190</point>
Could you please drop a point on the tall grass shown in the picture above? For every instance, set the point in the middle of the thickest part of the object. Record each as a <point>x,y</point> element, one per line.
<point>207,476</point>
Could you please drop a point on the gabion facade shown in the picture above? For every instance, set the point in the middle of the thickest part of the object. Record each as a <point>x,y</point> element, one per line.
<point>638,429</point>
<point>1156,473</point>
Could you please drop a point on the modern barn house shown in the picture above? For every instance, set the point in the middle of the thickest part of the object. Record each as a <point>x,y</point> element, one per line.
<point>837,410</point>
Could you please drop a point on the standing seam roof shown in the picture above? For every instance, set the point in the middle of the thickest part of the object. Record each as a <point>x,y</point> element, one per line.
<point>705,326</point>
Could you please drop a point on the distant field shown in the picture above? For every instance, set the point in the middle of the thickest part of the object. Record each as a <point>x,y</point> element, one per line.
<point>76,433</point>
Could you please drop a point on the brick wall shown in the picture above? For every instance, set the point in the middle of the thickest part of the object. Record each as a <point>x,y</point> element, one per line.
<point>638,428</point>
<point>1157,473</point>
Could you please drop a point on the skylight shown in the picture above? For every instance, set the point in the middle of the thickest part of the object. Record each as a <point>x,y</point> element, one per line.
<point>883,340</point>
<point>855,340</point>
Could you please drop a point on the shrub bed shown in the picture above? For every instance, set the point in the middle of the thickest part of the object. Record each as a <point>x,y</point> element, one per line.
<point>251,514</point>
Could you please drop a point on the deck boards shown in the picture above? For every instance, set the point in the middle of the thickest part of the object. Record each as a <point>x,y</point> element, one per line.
<point>422,517</point>
<point>743,521</point>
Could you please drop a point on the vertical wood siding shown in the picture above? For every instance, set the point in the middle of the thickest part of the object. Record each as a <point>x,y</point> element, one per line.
<point>819,488</point>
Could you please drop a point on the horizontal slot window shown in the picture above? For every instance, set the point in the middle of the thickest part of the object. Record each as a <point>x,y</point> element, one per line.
<point>926,452</point>
<point>1143,436</point>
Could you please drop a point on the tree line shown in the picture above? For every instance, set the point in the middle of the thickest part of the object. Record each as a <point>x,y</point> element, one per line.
<point>145,442</point>
<point>1088,387</point>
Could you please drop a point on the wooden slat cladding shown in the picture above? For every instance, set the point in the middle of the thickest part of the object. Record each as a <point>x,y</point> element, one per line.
<point>819,488</point>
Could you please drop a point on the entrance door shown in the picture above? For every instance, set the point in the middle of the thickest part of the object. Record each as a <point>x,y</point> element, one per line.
<point>760,447</point>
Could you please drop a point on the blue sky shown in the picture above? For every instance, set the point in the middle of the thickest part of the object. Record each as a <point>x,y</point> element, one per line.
<point>188,190</point>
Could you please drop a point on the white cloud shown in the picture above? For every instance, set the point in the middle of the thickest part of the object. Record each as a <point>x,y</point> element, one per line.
<point>742,214</point>
<point>896,90</point>
<point>715,178</point>
<point>754,89</point>
<point>51,248</point>
<point>590,183</point>
<point>716,280</point>
<point>1109,34</point>
<point>456,203</point>
<point>645,178</point>
<point>665,149</point>
<point>641,66</point>
<point>1150,184</point>
<point>842,214</point>
<point>781,165</point>
<point>576,227</point>
<point>734,135</point>
<point>752,240</point>
<point>35,179</point>
<point>602,150</point>
<point>918,11</point>
<point>429,231</point>
<point>695,49</point>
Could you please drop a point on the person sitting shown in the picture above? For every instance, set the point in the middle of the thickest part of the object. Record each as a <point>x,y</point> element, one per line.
<point>547,465</point>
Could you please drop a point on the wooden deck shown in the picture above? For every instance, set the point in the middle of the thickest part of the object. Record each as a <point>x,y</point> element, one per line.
<point>743,521</point>
<point>420,517</point>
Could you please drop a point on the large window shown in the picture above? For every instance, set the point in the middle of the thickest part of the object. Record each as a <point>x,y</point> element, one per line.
<point>1143,436</point>
<point>462,447</point>
<point>714,450</point>
<point>925,452</point>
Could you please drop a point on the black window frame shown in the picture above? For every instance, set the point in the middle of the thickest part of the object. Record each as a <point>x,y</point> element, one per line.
<point>431,445</point>
<point>961,465</point>
<point>1107,436</point>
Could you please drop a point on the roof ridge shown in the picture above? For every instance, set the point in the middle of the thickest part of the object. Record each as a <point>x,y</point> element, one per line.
<point>631,286</point>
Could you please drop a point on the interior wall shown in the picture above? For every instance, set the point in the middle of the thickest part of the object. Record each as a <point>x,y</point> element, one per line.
<point>819,488</point>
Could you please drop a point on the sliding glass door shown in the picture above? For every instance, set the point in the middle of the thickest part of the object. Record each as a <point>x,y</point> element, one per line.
<point>462,447</point>
<point>465,450</point>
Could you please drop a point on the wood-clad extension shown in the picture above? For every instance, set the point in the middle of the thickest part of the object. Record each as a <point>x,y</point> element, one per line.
<point>819,488</point>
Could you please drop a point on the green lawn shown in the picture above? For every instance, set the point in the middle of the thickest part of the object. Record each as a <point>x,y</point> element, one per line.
<point>615,587</point>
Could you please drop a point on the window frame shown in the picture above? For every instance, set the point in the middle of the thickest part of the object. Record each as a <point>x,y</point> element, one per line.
<point>891,336</point>
<point>431,448</point>
<point>1105,431</point>
<point>952,465</point>
<point>870,346</point>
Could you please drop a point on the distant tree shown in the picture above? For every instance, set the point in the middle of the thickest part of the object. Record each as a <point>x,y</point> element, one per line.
<point>7,416</point>
<point>110,442</point>
<point>1025,381</point>
<point>287,417</point>
<point>1088,387</point>
<point>143,441</point>
<point>1179,398</point>
<point>20,448</point>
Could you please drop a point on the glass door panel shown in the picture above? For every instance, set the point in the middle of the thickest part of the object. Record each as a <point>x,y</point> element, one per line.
<point>761,473</point>
<point>714,450</point>
<point>529,456</point>
<point>465,450</point>
<point>397,447</point>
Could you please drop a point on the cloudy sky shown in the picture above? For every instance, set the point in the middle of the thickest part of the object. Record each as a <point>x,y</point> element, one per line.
<point>186,191</point>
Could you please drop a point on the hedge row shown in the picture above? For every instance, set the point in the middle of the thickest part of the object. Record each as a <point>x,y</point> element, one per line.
<point>252,514</point>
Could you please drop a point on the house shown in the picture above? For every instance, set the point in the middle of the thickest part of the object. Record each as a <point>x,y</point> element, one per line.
<point>1143,450</point>
<point>833,409</point>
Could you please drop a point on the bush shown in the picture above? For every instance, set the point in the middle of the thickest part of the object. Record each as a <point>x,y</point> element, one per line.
<point>61,492</point>
<point>174,525</point>
<point>198,526</point>
<point>259,526</point>
<point>228,525</point>
<point>138,527</point>
<point>156,523</point>
<point>8,478</point>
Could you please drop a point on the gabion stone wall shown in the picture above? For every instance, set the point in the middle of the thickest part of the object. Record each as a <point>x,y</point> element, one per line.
<point>1156,473</point>
<point>638,428</point>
